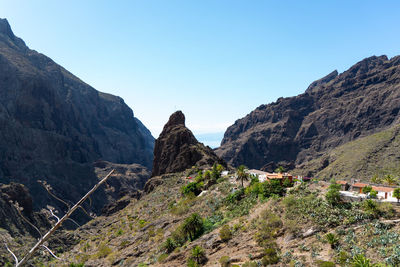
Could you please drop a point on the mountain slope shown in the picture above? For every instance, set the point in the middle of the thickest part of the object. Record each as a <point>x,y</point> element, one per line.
<point>54,126</point>
<point>374,155</point>
<point>334,110</point>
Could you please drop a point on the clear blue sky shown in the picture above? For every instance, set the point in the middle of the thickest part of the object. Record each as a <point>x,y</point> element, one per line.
<point>215,60</point>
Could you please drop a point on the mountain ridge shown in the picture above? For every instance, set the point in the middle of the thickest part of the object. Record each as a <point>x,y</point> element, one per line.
<point>333,110</point>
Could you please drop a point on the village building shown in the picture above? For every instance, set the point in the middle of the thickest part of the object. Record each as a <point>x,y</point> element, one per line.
<point>358,187</point>
<point>262,176</point>
<point>384,192</point>
<point>344,185</point>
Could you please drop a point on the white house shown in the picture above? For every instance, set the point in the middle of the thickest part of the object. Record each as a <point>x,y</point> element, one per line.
<point>262,176</point>
<point>224,173</point>
<point>385,193</point>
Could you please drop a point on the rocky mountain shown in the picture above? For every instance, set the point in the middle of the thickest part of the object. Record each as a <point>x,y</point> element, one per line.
<point>176,149</point>
<point>53,126</point>
<point>334,110</point>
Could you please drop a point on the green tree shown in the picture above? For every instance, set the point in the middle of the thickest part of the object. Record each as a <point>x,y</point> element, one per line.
<point>220,168</point>
<point>287,183</point>
<point>241,174</point>
<point>273,187</point>
<point>280,169</point>
<point>192,227</point>
<point>207,175</point>
<point>367,189</point>
<point>193,187</point>
<point>216,172</point>
<point>396,193</point>
<point>333,194</point>
<point>332,239</point>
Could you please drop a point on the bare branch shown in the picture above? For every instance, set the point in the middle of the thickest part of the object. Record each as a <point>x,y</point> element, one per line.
<point>51,252</point>
<point>15,257</point>
<point>73,221</point>
<point>85,212</point>
<point>51,212</point>
<point>58,224</point>
<point>19,209</point>
<point>48,189</point>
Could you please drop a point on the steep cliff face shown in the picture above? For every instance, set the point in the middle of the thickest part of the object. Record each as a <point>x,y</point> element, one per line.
<point>176,149</point>
<point>53,126</point>
<point>334,110</point>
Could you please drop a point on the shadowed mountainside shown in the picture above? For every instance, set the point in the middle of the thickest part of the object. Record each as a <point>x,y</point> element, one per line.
<point>54,126</point>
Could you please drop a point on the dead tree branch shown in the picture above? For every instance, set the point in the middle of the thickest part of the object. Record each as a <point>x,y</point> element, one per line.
<point>42,240</point>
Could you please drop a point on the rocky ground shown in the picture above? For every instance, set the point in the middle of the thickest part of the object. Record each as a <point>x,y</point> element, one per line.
<point>300,221</point>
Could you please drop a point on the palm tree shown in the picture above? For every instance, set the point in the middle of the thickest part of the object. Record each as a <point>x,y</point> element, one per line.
<point>390,179</point>
<point>241,174</point>
<point>280,169</point>
<point>193,226</point>
<point>198,254</point>
<point>332,239</point>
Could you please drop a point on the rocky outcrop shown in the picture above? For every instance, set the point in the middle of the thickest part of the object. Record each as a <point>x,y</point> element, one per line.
<point>176,149</point>
<point>334,110</point>
<point>53,126</point>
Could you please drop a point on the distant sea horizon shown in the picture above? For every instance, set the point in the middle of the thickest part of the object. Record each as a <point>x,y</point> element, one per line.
<point>212,140</point>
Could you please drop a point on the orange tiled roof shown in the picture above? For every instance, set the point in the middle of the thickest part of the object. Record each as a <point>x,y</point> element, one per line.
<point>382,189</point>
<point>360,185</point>
<point>341,182</point>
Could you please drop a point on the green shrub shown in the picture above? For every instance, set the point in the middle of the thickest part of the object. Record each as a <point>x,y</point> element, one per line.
<point>373,194</point>
<point>287,183</point>
<point>332,239</point>
<point>162,257</point>
<point>268,228</point>
<point>198,255</point>
<point>192,263</point>
<point>271,257</point>
<point>343,257</point>
<point>70,265</point>
<point>360,260</point>
<point>321,263</point>
<point>103,251</point>
<point>192,188</point>
<point>225,261</point>
<point>235,196</point>
<point>169,245</point>
<point>225,233</point>
<point>250,264</point>
<point>370,207</point>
